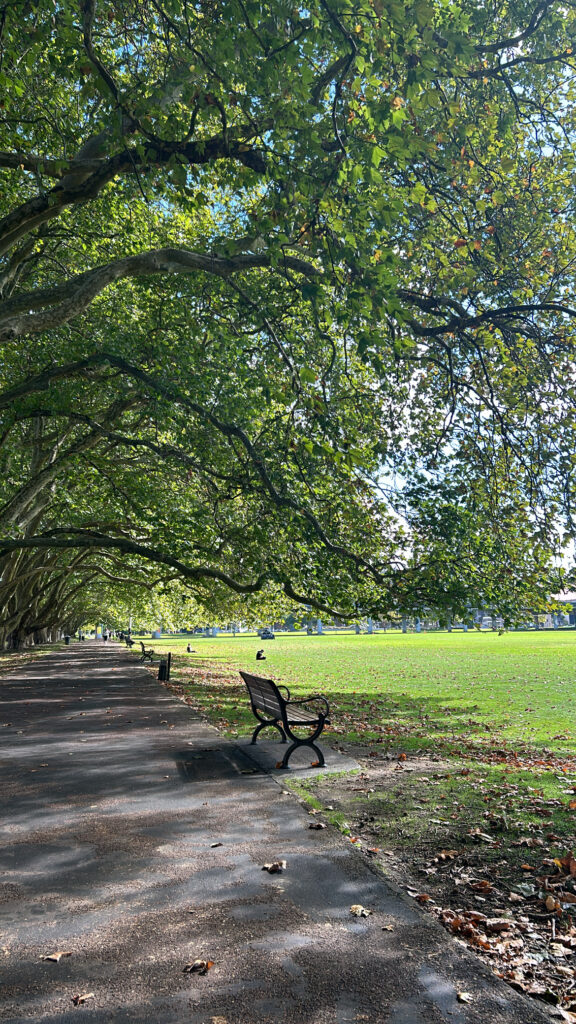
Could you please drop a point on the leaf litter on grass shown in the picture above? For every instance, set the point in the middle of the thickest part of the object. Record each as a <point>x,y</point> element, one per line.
<point>519,917</point>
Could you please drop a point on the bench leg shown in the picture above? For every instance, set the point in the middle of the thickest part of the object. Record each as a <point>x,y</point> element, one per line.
<point>303,743</point>
<point>263,726</point>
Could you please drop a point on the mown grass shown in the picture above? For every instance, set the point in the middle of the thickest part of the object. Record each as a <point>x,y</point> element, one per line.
<point>416,691</point>
<point>497,711</point>
<point>506,812</point>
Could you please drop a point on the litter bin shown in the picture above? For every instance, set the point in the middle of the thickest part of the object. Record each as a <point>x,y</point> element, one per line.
<point>66,640</point>
<point>164,669</point>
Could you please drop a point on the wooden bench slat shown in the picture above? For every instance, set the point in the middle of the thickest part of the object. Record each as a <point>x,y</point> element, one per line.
<point>281,713</point>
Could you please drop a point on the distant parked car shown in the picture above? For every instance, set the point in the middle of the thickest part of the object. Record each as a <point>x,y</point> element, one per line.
<point>267,634</point>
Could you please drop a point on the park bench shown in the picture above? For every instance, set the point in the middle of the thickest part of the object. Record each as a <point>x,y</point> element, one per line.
<point>271,707</point>
<point>148,653</point>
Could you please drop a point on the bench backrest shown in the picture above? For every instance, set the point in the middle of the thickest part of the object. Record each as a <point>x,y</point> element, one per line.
<point>264,694</point>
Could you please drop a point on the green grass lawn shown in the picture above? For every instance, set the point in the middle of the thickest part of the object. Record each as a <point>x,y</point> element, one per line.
<point>448,691</point>
<point>498,712</point>
<point>467,790</point>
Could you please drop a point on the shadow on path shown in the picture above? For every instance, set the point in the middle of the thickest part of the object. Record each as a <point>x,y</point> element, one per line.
<point>133,836</point>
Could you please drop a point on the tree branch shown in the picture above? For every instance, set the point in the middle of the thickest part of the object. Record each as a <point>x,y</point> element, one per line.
<point>88,539</point>
<point>67,300</point>
<point>83,185</point>
<point>538,16</point>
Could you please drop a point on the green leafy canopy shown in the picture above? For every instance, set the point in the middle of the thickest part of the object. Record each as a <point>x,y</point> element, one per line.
<point>285,304</point>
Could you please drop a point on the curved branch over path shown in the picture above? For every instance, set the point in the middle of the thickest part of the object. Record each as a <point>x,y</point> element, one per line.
<point>87,539</point>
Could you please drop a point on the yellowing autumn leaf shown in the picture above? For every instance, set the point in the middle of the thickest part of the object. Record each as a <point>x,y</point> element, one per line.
<point>359,911</point>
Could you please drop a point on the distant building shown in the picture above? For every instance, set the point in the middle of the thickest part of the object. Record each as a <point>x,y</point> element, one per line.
<point>568,597</point>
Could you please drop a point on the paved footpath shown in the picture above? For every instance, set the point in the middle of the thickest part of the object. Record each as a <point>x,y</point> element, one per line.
<point>133,836</point>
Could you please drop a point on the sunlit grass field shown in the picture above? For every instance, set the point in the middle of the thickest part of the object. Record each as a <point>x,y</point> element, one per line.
<point>419,691</point>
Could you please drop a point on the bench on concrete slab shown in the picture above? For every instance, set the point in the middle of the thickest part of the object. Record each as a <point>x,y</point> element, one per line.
<point>148,653</point>
<point>276,709</point>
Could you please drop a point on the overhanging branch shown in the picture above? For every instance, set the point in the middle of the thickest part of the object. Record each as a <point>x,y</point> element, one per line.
<point>89,540</point>
<point>59,304</point>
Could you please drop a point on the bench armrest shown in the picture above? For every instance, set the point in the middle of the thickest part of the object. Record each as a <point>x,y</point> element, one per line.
<point>308,700</point>
<point>280,686</point>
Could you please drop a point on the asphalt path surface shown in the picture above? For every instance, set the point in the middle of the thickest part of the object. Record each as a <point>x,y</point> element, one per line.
<point>133,837</point>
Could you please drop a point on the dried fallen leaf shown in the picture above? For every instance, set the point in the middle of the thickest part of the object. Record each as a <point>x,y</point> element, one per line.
<point>557,949</point>
<point>275,867</point>
<point>316,825</point>
<point>445,855</point>
<point>568,864</point>
<point>79,999</point>
<point>552,903</point>
<point>476,916</point>
<point>57,956</point>
<point>218,1020</point>
<point>463,997</point>
<point>482,886</point>
<point>359,911</point>
<point>214,845</point>
<point>198,967</point>
<point>498,924</point>
<point>476,833</point>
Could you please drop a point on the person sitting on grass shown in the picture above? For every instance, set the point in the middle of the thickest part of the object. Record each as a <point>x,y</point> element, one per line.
<point>260,656</point>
